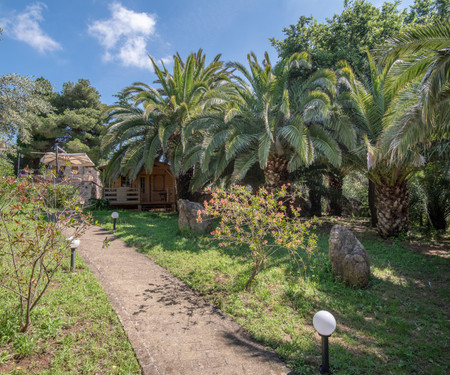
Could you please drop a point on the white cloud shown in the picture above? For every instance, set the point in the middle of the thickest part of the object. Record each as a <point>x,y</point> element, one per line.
<point>26,28</point>
<point>124,36</point>
<point>167,60</point>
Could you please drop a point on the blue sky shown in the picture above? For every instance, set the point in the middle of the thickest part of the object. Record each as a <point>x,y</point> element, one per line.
<point>108,42</point>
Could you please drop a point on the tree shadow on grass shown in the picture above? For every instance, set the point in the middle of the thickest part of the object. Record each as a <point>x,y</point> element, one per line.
<point>398,321</point>
<point>391,321</point>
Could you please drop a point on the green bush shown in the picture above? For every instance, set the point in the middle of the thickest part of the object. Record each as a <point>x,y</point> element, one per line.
<point>261,223</point>
<point>99,204</point>
<point>58,195</point>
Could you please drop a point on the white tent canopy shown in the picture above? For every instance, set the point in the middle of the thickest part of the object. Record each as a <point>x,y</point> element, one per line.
<point>64,158</point>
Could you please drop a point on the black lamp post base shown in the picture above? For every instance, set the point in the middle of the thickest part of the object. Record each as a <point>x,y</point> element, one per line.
<point>325,366</point>
<point>72,261</point>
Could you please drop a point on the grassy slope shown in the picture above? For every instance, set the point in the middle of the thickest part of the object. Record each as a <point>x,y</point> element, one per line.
<point>74,331</point>
<point>398,325</point>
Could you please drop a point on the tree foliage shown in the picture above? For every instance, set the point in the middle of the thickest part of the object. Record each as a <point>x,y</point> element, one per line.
<point>422,73</point>
<point>75,123</point>
<point>266,121</point>
<point>359,27</point>
<point>21,102</point>
<point>271,121</point>
<point>157,124</point>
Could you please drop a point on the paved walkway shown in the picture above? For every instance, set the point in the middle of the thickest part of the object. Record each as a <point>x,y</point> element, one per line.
<point>172,329</point>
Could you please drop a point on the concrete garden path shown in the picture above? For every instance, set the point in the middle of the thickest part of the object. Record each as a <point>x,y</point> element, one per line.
<point>173,330</point>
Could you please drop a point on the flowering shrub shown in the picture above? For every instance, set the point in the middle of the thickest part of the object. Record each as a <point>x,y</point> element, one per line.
<point>260,222</point>
<point>59,195</point>
<point>32,246</point>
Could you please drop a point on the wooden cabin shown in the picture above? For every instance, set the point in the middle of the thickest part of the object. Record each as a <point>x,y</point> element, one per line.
<point>146,191</point>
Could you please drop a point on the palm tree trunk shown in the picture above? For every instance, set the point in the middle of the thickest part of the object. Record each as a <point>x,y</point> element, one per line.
<point>315,199</point>
<point>183,182</point>
<point>372,204</point>
<point>335,182</point>
<point>276,173</point>
<point>392,209</point>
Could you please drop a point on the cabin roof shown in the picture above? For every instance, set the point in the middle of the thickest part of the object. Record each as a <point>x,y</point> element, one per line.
<point>76,159</point>
<point>158,164</point>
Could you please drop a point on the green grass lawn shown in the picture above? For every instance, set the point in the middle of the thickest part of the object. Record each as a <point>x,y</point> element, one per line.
<point>398,325</point>
<point>74,331</point>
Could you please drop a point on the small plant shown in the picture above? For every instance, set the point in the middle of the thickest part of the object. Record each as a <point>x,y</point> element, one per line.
<point>32,247</point>
<point>99,204</point>
<point>260,221</point>
<point>4,357</point>
<point>58,195</point>
<point>24,346</point>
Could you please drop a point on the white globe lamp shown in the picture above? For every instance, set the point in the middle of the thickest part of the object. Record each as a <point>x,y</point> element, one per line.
<point>73,243</point>
<point>325,324</point>
<point>114,215</point>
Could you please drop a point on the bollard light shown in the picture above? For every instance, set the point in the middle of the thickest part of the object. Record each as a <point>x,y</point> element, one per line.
<point>114,215</point>
<point>325,324</point>
<point>74,243</point>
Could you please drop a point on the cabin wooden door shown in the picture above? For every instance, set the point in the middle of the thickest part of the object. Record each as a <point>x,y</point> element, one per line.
<point>159,188</point>
<point>144,188</point>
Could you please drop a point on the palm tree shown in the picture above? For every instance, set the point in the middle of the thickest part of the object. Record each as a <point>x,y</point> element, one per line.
<point>372,103</point>
<point>271,122</point>
<point>340,127</point>
<point>161,115</point>
<point>132,139</point>
<point>421,58</point>
<point>421,74</point>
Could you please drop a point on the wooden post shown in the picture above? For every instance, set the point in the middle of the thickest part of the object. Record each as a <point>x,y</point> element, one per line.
<point>151,188</point>
<point>57,169</point>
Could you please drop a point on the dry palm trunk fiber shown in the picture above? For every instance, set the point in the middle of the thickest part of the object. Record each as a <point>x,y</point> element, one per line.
<point>392,209</point>
<point>276,173</point>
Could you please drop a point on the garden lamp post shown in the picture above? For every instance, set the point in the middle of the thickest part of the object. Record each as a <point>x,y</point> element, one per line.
<point>114,215</point>
<point>325,324</point>
<point>74,243</point>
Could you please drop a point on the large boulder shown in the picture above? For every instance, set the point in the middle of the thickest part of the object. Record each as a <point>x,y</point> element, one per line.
<point>187,221</point>
<point>348,257</point>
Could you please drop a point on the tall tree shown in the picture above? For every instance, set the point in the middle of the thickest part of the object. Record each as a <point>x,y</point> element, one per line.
<point>372,102</point>
<point>422,61</point>
<point>164,113</point>
<point>421,72</point>
<point>339,125</point>
<point>79,112</point>
<point>75,123</point>
<point>359,27</point>
<point>427,11</point>
<point>271,123</point>
<point>21,101</point>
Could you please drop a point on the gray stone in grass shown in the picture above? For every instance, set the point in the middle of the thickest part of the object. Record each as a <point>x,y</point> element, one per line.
<point>188,213</point>
<point>348,257</point>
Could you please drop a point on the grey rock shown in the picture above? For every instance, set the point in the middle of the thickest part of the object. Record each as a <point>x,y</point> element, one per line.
<point>348,257</point>
<point>188,213</point>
